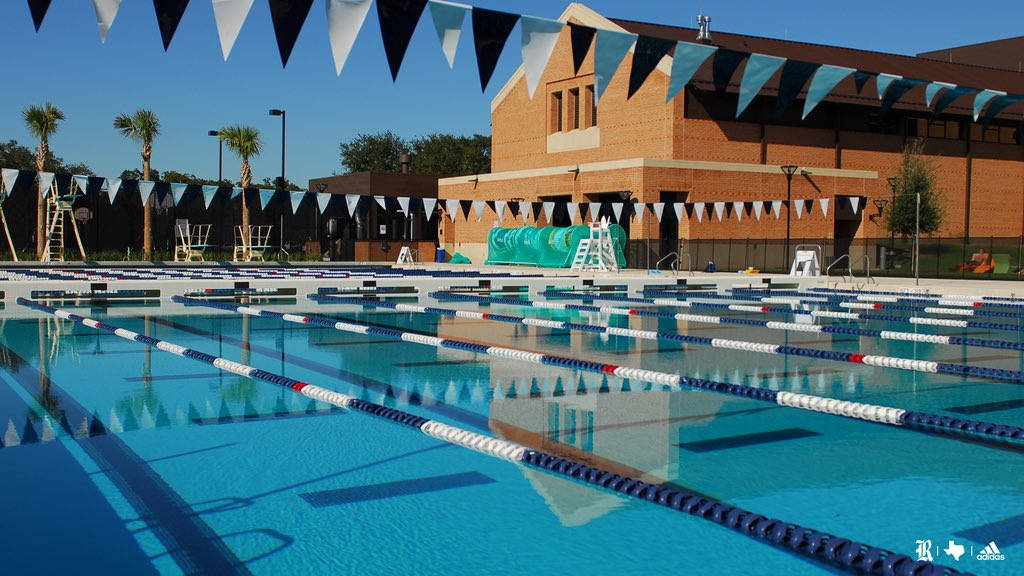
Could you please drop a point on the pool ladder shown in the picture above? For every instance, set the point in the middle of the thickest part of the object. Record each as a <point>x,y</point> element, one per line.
<point>849,276</point>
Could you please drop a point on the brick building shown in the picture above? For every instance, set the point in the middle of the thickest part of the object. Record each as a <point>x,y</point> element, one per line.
<point>559,146</point>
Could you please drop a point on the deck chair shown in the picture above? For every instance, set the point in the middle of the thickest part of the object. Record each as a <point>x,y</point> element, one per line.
<point>259,237</point>
<point>1001,263</point>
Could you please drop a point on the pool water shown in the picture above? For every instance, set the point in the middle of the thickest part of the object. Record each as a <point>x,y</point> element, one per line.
<point>132,461</point>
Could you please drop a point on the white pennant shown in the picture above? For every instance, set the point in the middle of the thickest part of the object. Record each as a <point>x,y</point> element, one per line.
<point>344,20</point>
<point>595,208</point>
<point>429,204</point>
<point>659,209</point>
<point>296,198</point>
<point>573,209</point>
<point>617,210</point>
<point>322,200</point>
<point>698,208</point>
<point>45,180</point>
<point>10,176</point>
<point>209,193</point>
<point>776,207</point>
<point>799,208</point>
<point>719,210</point>
<point>737,207</point>
<point>854,203</point>
<point>478,207</point>
<point>229,15</point>
<point>452,207</point>
<point>499,209</point>
<point>380,200</point>
<point>403,203</point>
<point>549,210</point>
<point>524,209</point>
<point>538,41</point>
<point>106,11</point>
<point>639,208</point>
<point>758,206</point>
<point>82,182</point>
<point>824,206</point>
<point>145,190</point>
<point>113,186</point>
<point>352,202</point>
<point>448,18</point>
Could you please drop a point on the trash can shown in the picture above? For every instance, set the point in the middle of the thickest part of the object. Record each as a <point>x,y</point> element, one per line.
<point>440,256</point>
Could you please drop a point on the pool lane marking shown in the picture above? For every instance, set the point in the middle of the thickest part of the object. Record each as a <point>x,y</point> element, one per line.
<point>984,431</point>
<point>926,366</point>
<point>821,546</point>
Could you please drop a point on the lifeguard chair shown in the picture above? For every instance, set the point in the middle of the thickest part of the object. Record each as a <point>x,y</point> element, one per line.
<point>59,207</point>
<point>596,252</point>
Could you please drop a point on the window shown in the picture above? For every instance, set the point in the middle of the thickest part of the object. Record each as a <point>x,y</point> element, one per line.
<point>556,112</point>
<point>995,134</point>
<point>590,105</point>
<point>922,127</point>
<point>574,108</point>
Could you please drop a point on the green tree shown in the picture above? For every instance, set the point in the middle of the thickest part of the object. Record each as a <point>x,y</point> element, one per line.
<point>14,155</point>
<point>373,152</point>
<point>143,127</point>
<point>916,176</point>
<point>245,142</point>
<point>134,174</point>
<point>272,183</point>
<point>447,154</point>
<point>42,122</point>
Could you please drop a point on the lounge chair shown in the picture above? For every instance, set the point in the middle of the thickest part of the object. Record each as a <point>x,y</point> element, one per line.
<point>1001,262</point>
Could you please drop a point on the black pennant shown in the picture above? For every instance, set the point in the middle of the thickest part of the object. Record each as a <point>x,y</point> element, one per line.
<point>168,15</point>
<point>490,31</point>
<point>794,75</point>
<point>513,207</point>
<point>38,9</point>
<point>861,78</point>
<point>466,205</point>
<point>582,37</point>
<point>398,19</point>
<point>724,66</point>
<point>536,208</point>
<point>288,17</point>
<point>648,52</point>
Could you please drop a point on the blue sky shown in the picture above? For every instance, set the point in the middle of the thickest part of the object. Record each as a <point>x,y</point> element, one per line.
<point>193,90</point>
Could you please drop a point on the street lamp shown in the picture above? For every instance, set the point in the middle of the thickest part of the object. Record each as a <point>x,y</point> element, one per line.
<point>788,170</point>
<point>279,112</point>
<point>220,155</point>
<point>893,181</point>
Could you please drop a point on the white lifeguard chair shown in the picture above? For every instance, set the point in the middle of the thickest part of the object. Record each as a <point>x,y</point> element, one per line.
<point>59,207</point>
<point>4,186</point>
<point>805,263</point>
<point>597,252</point>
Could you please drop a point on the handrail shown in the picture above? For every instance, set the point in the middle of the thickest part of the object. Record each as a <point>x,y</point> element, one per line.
<point>849,267</point>
<point>837,261</point>
<point>867,268</point>
<point>675,263</point>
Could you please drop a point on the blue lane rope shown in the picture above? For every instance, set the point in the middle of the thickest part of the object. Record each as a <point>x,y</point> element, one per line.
<point>820,546</point>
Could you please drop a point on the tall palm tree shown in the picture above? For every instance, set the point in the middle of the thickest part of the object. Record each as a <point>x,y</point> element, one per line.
<point>245,142</point>
<point>42,121</point>
<point>143,126</point>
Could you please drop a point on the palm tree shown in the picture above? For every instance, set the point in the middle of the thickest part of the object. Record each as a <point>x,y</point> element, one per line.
<point>42,122</point>
<point>245,142</point>
<point>143,127</point>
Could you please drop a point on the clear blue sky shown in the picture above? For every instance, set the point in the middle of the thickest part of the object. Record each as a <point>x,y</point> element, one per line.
<point>193,90</point>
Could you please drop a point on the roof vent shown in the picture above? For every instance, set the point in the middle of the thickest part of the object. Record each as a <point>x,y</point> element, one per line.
<point>703,28</point>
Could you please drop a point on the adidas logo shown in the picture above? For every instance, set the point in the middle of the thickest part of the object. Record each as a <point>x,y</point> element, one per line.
<point>991,552</point>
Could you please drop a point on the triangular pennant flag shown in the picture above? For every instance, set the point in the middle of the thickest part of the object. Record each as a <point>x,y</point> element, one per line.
<point>949,96</point>
<point>573,209</point>
<point>288,16</point>
<point>659,209</point>
<point>758,206</point>
<point>799,205</point>
<point>398,19</point>
<point>685,62</point>
<point>982,98</point>
<point>536,207</point>
<point>403,203</point>
<point>794,75</point>
<point>236,192</point>
<point>452,208</point>
<point>466,206</point>
<point>933,88</point>
<point>344,21</point>
<point>549,210</point>
<point>106,11</point>
<point>10,176</point>
<point>638,210</point>
<point>737,208</point>
<point>610,48</point>
<point>854,203</point>
<point>824,81</point>
<point>381,201</point>
<point>760,67</point>
<point>38,9</point>
<point>145,190</point>
<point>113,186</point>
<point>617,211</point>
<point>776,208</point>
<point>861,77</point>
<point>824,206</point>
<point>448,18</point>
<point>698,209</point>
<point>646,55</point>
<point>490,31</point>
<point>538,41</point>
<point>209,192</point>
<point>524,209</point>
<point>296,198</point>
<point>580,38</point>
<point>81,182</point>
<point>178,190</point>
<point>266,194</point>
<point>229,16</point>
<point>499,209</point>
<point>595,209</point>
<point>322,200</point>
<point>883,81</point>
<point>45,180</point>
<point>168,15</point>
<point>719,210</point>
<point>723,66</point>
<point>429,205</point>
<point>478,207</point>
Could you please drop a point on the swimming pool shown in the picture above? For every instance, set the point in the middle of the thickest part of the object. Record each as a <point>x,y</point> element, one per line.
<point>155,463</point>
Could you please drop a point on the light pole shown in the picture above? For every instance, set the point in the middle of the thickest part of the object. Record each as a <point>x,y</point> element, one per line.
<point>279,112</point>
<point>788,170</point>
<point>893,181</point>
<point>220,155</point>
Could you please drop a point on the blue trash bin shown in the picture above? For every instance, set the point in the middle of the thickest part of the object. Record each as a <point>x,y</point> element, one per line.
<point>440,255</point>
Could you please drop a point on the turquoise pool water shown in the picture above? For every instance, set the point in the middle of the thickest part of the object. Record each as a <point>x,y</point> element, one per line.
<point>180,468</point>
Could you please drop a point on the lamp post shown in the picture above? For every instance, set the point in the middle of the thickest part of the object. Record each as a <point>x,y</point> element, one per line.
<point>893,181</point>
<point>788,170</point>
<point>220,155</point>
<point>281,113</point>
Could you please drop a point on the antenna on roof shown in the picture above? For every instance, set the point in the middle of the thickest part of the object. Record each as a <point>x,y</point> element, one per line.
<point>703,28</point>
